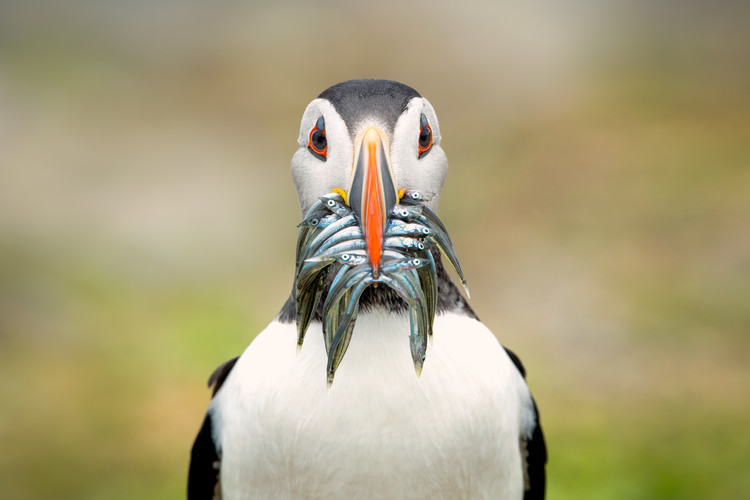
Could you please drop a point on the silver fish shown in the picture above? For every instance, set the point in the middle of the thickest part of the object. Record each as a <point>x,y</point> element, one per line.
<point>309,270</point>
<point>337,206</point>
<point>307,228</point>
<point>409,229</point>
<point>332,254</point>
<point>346,321</point>
<point>427,273</point>
<point>441,240</point>
<point>347,278</point>
<point>344,280</point>
<point>321,236</point>
<point>322,202</point>
<point>406,212</point>
<point>403,243</point>
<point>313,218</point>
<point>354,246</point>
<point>418,325</point>
<point>348,295</point>
<point>414,196</point>
<point>350,257</point>
<point>410,281</point>
<point>319,222</point>
<point>346,234</point>
<point>307,302</point>
<point>402,264</point>
<point>310,284</point>
<point>428,281</point>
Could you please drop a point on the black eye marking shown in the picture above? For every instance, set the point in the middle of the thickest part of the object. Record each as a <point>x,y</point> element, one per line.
<point>425,136</point>
<point>318,142</point>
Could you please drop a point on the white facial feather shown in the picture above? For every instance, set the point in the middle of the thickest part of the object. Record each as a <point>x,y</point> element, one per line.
<point>426,174</point>
<point>314,177</point>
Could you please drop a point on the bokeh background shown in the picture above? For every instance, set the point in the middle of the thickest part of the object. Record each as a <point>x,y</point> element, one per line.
<point>599,198</point>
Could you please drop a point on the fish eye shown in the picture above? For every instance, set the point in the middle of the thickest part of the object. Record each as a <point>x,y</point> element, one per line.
<point>425,230</point>
<point>404,213</point>
<point>314,222</point>
<point>318,142</point>
<point>345,257</point>
<point>416,262</point>
<point>420,245</point>
<point>425,136</point>
<point>415,194</point>
<point>331,203</point>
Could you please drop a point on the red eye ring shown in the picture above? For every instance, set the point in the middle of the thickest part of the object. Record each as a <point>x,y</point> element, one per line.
<point>425,136</point>
<point>317,142</point>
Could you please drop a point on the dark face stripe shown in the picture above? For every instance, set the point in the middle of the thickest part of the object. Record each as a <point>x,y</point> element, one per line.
<point>357,100</point>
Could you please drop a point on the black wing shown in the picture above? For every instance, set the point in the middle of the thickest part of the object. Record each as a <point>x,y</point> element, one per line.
<point>533,450</point>
<point>203,476</point>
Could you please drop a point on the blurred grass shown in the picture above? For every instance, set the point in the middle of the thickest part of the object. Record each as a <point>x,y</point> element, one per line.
<point>598,199</point>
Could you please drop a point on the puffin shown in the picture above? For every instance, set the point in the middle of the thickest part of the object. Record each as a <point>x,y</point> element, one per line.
<point>466,427</point>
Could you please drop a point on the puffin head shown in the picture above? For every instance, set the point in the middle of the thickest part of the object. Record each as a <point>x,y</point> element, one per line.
<point>370,141</point>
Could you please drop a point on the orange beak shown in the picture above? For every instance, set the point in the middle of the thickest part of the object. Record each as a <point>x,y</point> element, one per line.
<point>372,194</point>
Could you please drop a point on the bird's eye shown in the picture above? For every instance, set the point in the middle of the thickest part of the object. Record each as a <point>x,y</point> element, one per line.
<point>425,136</point>
<point>318,142</point>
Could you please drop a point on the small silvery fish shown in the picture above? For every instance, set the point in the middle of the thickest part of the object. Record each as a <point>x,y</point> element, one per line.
<point>333,267</point>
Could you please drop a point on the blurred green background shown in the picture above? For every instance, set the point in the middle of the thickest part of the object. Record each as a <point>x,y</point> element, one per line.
<point>599,199</point>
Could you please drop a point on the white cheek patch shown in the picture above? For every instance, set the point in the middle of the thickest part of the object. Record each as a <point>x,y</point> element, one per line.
<point>425,174</point>
<point>312,176</point>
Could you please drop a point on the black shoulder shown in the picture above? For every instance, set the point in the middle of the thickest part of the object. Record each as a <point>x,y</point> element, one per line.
<point>220,374</point>
<point>533,448</point>
<point>205,463</point>
<point>516,361</point>
<point>534,451</point>
<point>203,475</point>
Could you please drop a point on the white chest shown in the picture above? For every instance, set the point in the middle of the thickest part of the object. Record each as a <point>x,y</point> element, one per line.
<point>380,431</point>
